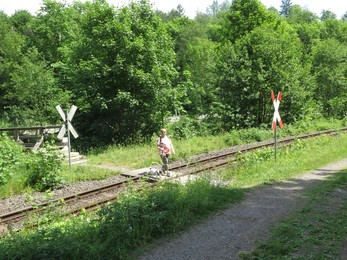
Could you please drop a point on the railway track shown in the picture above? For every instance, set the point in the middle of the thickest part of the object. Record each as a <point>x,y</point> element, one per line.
<point>89,200</point>
<point>94,198</point>
<point>226,156</point>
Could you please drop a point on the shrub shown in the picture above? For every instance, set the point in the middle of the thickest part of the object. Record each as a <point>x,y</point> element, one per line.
<point>264,154</point>
<point>233,138</point>
<point>43,168</point>
<point>10,156</point>
<point>186,128</point>
<point>255,135</point>
<point>250,135</point>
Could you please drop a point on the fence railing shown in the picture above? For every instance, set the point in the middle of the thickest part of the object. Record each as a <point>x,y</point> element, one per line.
<point>31,137</point>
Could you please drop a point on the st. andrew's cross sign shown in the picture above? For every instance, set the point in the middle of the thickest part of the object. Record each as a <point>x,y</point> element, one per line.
<point>276,117</point>
<point>67,127</point>
<point>67,122</point>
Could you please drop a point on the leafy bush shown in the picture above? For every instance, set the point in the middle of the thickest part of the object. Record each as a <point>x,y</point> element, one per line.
<point>43,168</point>
<point>250,135</point>
<point>255,135</point>
<point>186,128</point>
<point>10,156</point>
<point>233,138</point>
<point>257,156</point>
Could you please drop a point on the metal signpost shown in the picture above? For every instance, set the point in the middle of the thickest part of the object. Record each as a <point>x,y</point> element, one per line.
<point>67,126</point>
<point>276,117</point>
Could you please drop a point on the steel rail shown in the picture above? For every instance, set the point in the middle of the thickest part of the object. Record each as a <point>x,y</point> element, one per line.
<point>10,216</point>
<point>250,147</point>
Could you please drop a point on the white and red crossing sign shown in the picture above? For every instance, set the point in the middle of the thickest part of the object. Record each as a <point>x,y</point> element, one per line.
<point>276,117</point>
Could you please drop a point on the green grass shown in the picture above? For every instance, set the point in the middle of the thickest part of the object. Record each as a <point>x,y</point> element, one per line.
<point>136,156</point>
<point>139,156</point>
<point>17,185</point>
<point>139,217</point>
<point>316,232</point>
<point>86,173</point>
<point>292,161</point>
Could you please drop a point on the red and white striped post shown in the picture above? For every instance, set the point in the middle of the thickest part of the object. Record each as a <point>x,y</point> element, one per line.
<point>276,117</point>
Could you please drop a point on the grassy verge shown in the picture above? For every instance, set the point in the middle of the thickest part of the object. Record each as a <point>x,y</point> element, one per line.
<point>260,167</point>
<point>18,184</point>
<point>316,232</point>
<point>138,217</point>
<point>144,155</point>
<point>139,156</point>
<point>86,173</point>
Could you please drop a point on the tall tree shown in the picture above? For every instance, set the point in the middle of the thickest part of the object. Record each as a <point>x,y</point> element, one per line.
<point>121,72</point>
<point>333,28</point>
<point>243,17</point>
<point>299,15</point>
<point>55,26</point>
<point>173,14</point>
<point>344,17</point>
<point>286,6</point>
<point>327,14</point>
<point>307,25</point>
<point>330,70</point>
<point>11,43</point>
<point>23,22</point>
<point>34,93</point>
<point>264,60</point>
<point>196,58</point>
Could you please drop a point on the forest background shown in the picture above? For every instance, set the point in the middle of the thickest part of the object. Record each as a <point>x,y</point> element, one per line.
<point>129,70</point>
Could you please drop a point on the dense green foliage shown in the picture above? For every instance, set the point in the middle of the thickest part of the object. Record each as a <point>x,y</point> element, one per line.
<point>10,157</point>
<point>128,69</point>
<point>43,168</point>
<point>40,170</point>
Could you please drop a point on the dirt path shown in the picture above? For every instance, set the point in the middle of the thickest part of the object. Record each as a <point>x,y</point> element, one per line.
<point>242,226</point>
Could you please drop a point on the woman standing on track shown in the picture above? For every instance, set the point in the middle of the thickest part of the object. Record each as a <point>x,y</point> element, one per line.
<point>165,148</point>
